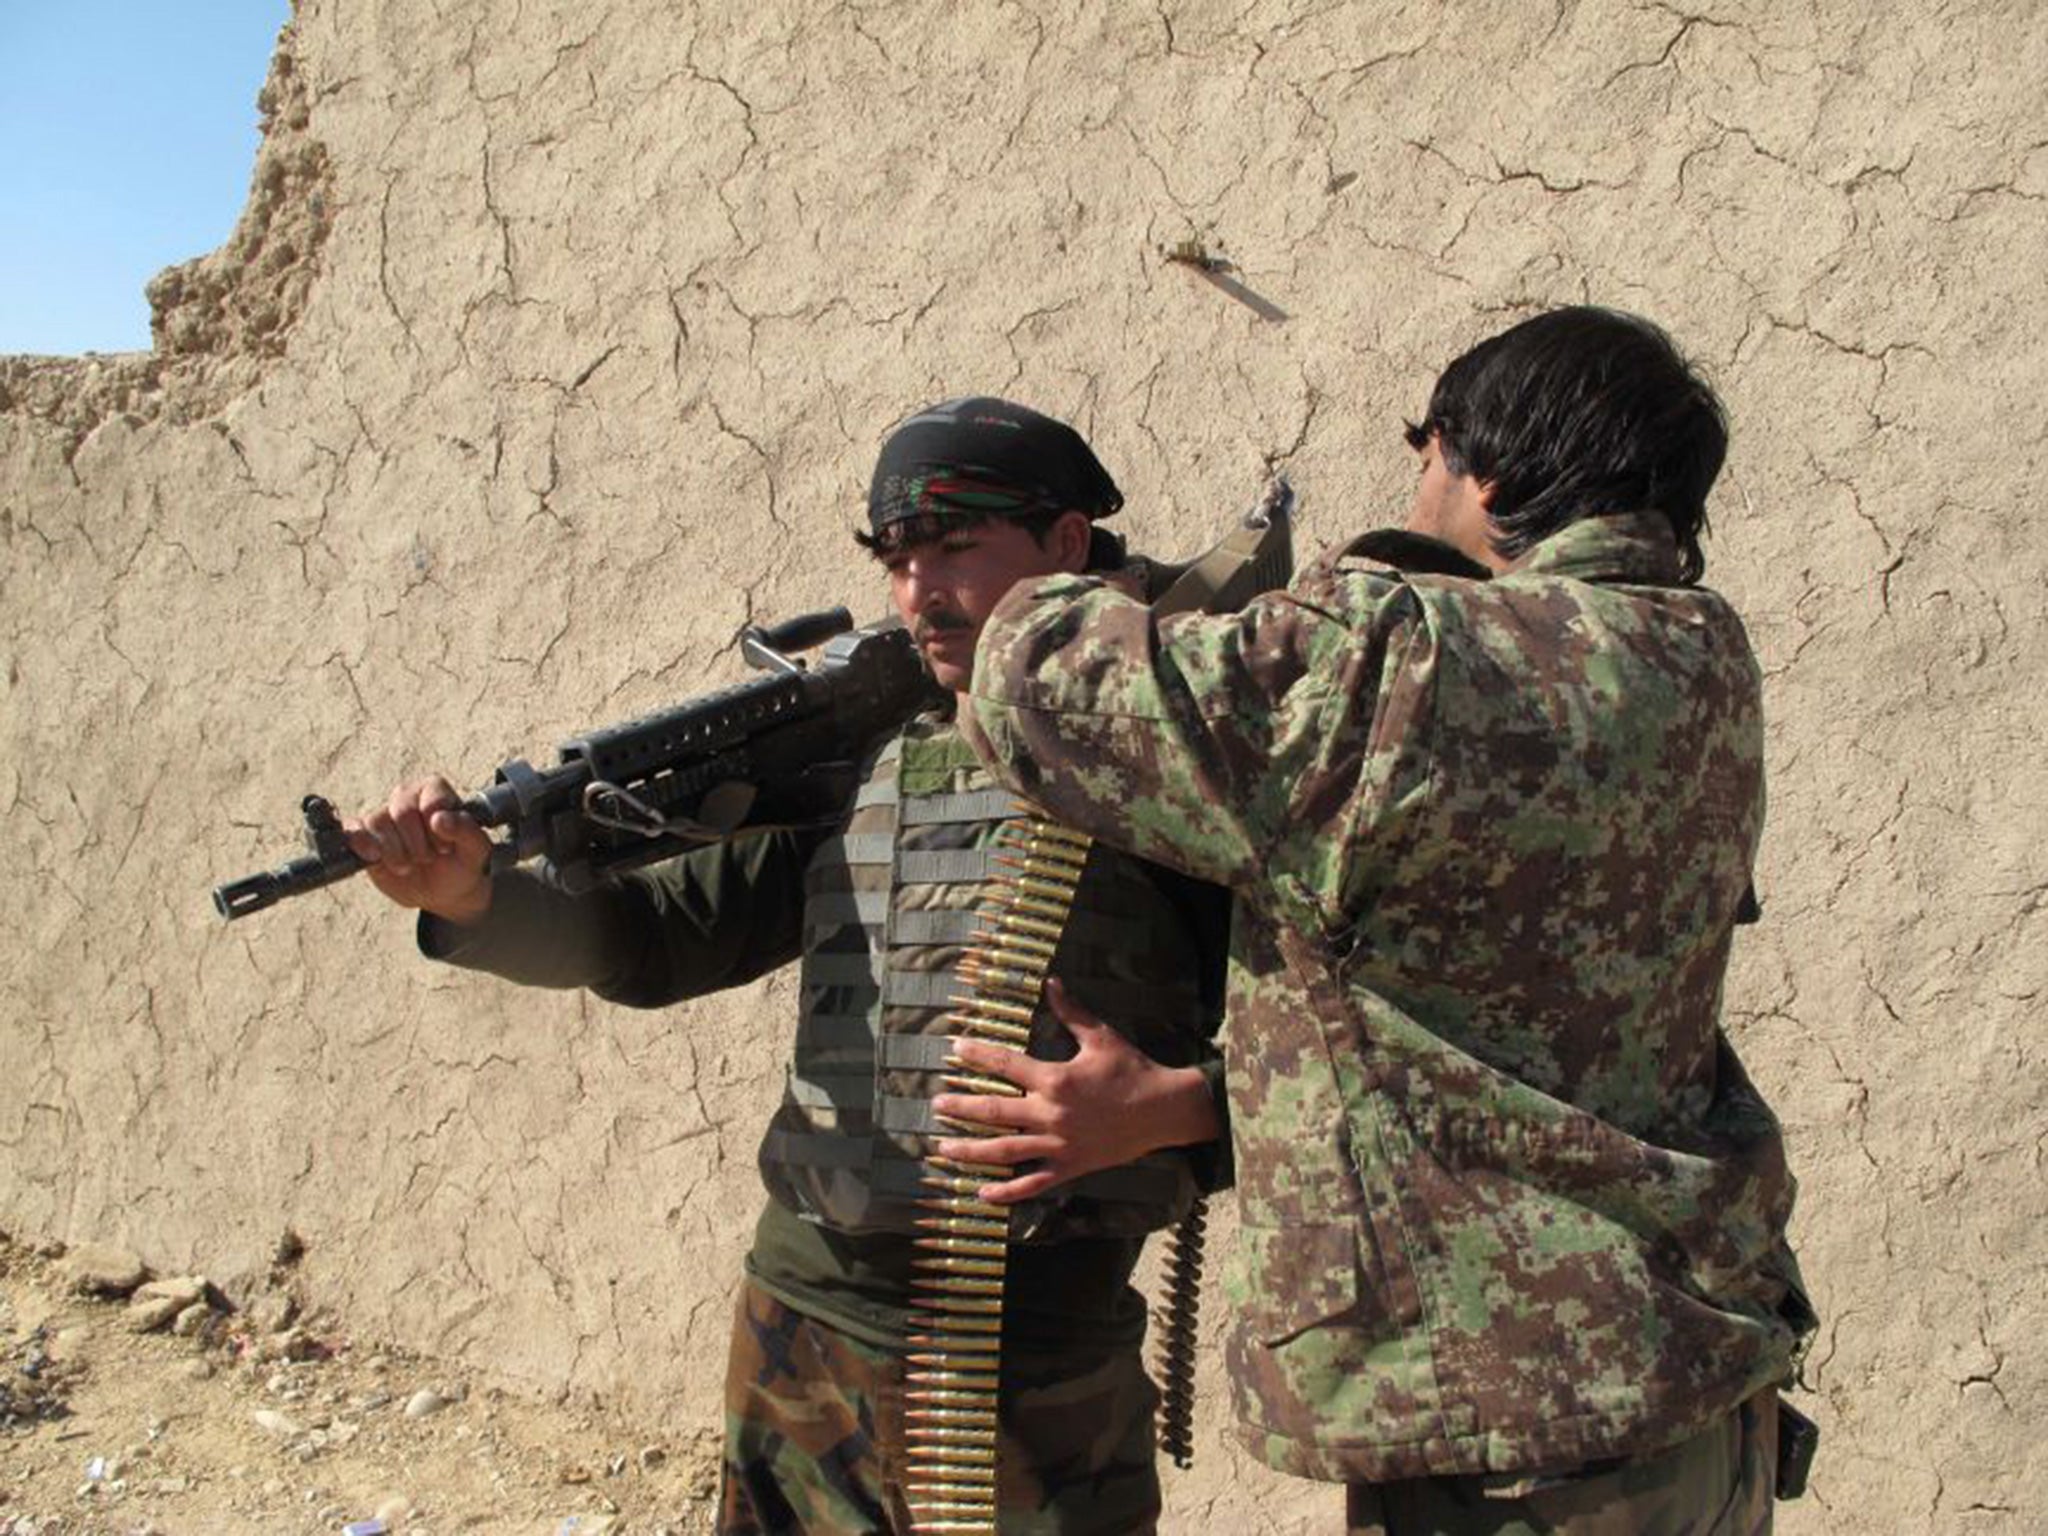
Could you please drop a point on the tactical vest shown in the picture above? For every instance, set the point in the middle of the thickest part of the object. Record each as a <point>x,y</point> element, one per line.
<point>890,903</point>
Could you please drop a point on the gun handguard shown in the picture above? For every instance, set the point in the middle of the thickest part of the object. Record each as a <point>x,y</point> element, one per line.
<point>630,794</point>
<point>1256,556</point>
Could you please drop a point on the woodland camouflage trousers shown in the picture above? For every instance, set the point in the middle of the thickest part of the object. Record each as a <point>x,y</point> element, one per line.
<point>814,1435</point>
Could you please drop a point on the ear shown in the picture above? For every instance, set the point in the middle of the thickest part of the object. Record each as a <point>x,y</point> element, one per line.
<point>1068,540</point>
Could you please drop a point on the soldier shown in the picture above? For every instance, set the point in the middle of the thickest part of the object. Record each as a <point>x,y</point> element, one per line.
<point>1487,791</point>
<point>1112,1142</point>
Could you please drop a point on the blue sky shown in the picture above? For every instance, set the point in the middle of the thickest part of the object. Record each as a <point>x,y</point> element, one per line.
<point>127,134</point>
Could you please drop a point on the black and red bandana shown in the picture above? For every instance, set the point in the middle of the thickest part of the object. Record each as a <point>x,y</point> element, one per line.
<point>979,457</point>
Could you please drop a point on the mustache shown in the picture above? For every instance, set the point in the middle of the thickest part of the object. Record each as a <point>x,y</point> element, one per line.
<point>925,625</point>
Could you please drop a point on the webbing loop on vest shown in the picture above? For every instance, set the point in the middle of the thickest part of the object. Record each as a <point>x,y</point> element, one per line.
<point>945,866</point>
<point>968,805</point>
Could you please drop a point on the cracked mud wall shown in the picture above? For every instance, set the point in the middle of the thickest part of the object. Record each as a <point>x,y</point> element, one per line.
<point>556,345</point>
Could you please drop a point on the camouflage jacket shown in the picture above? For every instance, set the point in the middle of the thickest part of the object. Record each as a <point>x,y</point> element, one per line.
<point>1508,1202</point>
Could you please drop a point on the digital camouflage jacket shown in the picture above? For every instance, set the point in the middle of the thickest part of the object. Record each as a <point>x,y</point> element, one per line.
<point>1508,1201</point>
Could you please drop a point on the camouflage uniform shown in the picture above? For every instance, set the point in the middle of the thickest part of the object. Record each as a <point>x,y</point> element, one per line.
<point>877,910</point>
<point>814,1427</point>
<point>1509,1204</point>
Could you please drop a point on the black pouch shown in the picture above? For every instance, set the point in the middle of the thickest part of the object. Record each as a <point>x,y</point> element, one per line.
<point>1798,1439</point>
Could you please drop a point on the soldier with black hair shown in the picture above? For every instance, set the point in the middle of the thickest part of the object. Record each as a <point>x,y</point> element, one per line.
<point>1487,791</point>
<point>1111,1137</point>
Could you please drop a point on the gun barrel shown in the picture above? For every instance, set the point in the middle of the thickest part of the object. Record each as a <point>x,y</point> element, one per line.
<point>789,728</point>
<point>252,893</point>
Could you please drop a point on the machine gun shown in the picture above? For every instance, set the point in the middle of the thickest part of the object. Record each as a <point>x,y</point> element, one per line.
<point>777,751</point>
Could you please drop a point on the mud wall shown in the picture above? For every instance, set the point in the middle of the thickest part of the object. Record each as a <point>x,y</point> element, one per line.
<point>555,345</point>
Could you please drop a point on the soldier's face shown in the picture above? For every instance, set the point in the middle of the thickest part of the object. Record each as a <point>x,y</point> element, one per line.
<point>944,588</point>
<point>1452,507</point>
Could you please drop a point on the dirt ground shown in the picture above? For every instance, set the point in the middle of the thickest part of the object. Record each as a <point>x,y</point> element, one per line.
<point>257,1420</point>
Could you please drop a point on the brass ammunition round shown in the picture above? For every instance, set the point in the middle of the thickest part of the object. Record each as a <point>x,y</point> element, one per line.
<point>1037,843</point>
<point>956,1426</point>
<point>933,1180</point>
<point>1035,824</point>
<point>1038,872</point>
<point>1023,961</point>
<point>1052,831</point>
<point>955,1264</point>
<point>1004,983</point>
<point>958,1455</point>
<point>958,1205</point>
<point>992,977</point>
<point>1013,1012</point>
<point>965,1165</point>
<point>1046,890</point>
<point>998,948</point>
<point>963,1210</point>
<point>959,1311</point>
<point>1052,911</point>
<point>983,1335</point>
<point>974,1082</point>
<point>936,1435</point>
<point>999,964</point>
<point>1026,930</point>
<point>1022,950</point>
<point>993,1031</point>
<point>959,1285</point>
<point>977,1248</point>
<point>966,1226</point>
<point>997,1031</point>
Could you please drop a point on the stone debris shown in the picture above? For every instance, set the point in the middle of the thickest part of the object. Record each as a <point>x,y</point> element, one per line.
<point>294,1344</point>
<point>102,1269</point>
<point>193,1321</point>
<point>297,1408</point>
<point>425,1403</point>
<point>33,1381</point>
<point>187,1304</point>
<point>273,1312</point>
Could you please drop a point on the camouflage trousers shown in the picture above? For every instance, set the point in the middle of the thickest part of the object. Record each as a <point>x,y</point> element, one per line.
<point>814,1435</point>
<point>1718,1483</point>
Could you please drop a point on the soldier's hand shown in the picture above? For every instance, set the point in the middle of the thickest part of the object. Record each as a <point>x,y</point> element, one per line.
<point>1109,1104</point>
<point>421,849</point>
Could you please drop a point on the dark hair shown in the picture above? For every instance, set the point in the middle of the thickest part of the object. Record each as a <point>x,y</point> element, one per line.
<point>1576,413</point>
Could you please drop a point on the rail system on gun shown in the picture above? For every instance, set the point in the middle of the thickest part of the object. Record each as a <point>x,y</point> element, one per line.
<point>780,750</point>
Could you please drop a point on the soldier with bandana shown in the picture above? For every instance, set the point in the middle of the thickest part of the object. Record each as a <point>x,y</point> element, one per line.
<point>1487,791</point>
<point>1113,1136</point>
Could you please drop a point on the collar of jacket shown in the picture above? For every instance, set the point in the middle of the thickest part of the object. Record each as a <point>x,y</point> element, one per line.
<point>1629,547</point>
